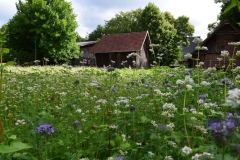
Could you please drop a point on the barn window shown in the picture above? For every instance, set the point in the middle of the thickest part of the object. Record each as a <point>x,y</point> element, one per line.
<point>219,48</point>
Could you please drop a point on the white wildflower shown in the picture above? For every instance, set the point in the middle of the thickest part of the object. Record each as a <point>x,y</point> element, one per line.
<point>188,55</point>
<point>186,150</point>
<point>169,106</point>
<point>233,97</point>
<point>204,83</point>
<point>113,126</point>
<point>101,101</point>
<point>197,40</point>
<point>189,87</point>
<point>224,53</point>
<point>83,159</point>
<point>122,152</point>
<point>173,144</point>
<point>188,79</point>
<point>124,137</point>
<point>21,122</point>
<point>168,158</point>
<point>234,43</point>
<point>151,153</point>
<point>238,53</point>
<point>154,123</point>
<point>133,54</point>
<point>78,110</point>
<point>170,125</point>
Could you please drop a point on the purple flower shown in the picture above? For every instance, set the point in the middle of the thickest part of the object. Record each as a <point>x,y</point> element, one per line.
<point>234,118</point>
<point>99,87</point>
<point>230,125</point>
<point>132,108</point>
<point>225,80</point>
<point>218,132</point>
<point>186,73</point>
<point>202,96</point>
<point>76,123</point>
<point>232,86</point>
<point>218,128</point>
<point>45,128</point>
<point>119,158</point>
<point>114,89</point>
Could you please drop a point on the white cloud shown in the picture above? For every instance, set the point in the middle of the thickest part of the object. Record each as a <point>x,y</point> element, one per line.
<point>91,13</point>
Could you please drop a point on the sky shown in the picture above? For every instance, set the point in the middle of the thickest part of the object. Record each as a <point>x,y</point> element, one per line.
<point>91,13</point>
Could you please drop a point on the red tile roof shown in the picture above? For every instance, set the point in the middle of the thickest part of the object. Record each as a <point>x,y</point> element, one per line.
<point>120,42</point>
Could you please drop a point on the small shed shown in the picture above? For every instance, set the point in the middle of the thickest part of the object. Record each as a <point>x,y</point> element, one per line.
<point>86,57</point>
<point>116,47</point>
<point>216,42</point>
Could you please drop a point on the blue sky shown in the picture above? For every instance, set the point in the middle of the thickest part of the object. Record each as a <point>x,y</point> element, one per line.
<point>91,13</point>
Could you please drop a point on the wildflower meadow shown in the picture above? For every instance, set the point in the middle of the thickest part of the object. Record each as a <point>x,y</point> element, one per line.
<point>83,113</point>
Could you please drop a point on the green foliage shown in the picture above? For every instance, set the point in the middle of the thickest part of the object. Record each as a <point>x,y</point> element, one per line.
<point>15,146</point>
<point>229,11</point>
<point>50,25</point>
<point>97,33</point>
<point>232,4</point>
<point>161,32</point>
<point>164,30</point>
<point>124,22</point>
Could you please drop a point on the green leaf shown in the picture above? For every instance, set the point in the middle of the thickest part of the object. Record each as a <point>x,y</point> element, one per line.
<point>12,137</point>
<point>125,146</point>
<point>14,147</point>
<point>112,143</point>
<point>144,119</point>
<point>6,50</point>
<point>60,142</point>
<point>10,63</point>
<point>118,139</point>
<point>231,5</point>
<point>201,149</point>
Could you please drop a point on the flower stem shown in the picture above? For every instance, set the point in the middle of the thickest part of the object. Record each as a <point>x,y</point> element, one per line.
<point>184,119</point>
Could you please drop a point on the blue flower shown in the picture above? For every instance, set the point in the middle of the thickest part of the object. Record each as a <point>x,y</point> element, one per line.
<point>186,73</point>
<point>202,96</point>
<point>132,108</point>
<point>45,129</point>
<point>218,128</point>
<point>119,158</point>
<point>225,80</point>
<point>76,123</point>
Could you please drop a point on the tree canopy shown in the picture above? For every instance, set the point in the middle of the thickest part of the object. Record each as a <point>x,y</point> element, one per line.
<point>44,27</point>
<point>164,29</point>
<point>230,10</point>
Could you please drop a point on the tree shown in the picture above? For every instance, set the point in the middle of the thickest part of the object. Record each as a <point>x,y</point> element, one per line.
<point>97,33</point>
<point>80,39</point>
<point>164,29</point>
<point>184,29</point>
<point>45,26</point>
<point>230,10</point>
<point>161,32</point>
<point>124,22</point>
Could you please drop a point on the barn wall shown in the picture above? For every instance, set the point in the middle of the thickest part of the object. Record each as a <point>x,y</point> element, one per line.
<point>217,43</point>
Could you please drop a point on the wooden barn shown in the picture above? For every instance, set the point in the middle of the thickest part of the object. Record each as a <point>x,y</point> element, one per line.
<point>216,42</point>
<point>117,47</point>
<point>86,57</point>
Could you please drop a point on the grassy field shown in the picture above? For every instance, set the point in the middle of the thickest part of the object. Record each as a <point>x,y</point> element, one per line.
<point>79,113</point>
